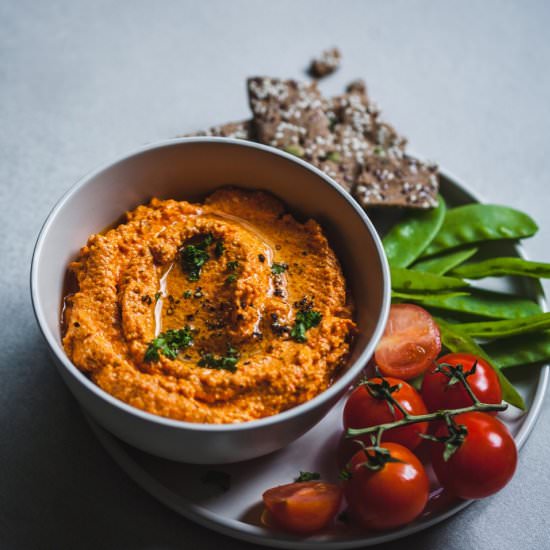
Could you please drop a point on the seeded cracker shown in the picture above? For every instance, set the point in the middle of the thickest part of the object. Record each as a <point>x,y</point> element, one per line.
<point>236,130</point>
<point>326,64</point>
<point>343,136</point>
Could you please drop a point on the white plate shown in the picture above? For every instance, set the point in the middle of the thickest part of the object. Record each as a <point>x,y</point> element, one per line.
<point>236,512</point>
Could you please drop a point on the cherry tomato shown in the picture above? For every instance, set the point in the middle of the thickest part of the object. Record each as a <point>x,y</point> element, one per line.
<point>438,394</point>
<point>410,342</point>
<point>304,507</point>
<point>483,464</point>
<point>390,497</point>
<point>363,410</point>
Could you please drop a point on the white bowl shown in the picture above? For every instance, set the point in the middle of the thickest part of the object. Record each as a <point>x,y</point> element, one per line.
<point>189,169</point>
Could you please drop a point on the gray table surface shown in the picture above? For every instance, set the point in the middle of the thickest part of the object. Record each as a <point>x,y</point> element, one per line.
<point>82,82</point>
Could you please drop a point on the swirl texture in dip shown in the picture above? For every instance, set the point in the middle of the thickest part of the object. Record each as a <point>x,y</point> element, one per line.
<point>221,312</point>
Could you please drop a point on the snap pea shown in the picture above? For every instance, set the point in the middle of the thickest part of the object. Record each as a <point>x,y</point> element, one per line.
<point>407,279</point>
<point>504,329</point>
<point>498,267</point>
<point>444,263</point>
<point>424,299</point>
<point>408,238</point>
<point>454,340</point>
<point>491,305</point>
<point>475,223</point>
<point>521,350</point>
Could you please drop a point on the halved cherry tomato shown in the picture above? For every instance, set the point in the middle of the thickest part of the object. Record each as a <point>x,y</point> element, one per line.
<point>304,507</point>
<point>485,461</point>
<point>363,409</point>
<point>410,342</point>
<point>390,497</point>
<point>438,394</point>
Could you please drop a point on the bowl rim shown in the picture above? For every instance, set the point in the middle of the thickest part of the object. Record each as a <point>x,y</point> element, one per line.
<point>331,392</point>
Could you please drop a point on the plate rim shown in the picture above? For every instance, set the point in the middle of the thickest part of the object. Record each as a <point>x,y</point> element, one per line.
<point>257,535</point>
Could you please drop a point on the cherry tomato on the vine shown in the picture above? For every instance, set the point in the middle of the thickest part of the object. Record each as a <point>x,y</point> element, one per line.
<point>485,461</point>
<point>303,507</point>
<point>391,496</point>
<point>365,407</point>
<point>439,394</point>
<point>410,342</point>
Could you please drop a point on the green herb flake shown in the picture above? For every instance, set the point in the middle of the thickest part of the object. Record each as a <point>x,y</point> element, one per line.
<point>194,256</point>
<point>307,476</point>
<point>219,249</point>
<point>222,362</point>
<point>231,278</point>
<point>157,296</point>
<point>232,266</point>
<point>278,268</point>
<point>304,320</point>
<point>169,344</point>
<point>334,156</point>
<point>187,294</point>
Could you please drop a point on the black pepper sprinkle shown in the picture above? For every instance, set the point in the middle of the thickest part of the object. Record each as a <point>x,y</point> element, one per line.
<point>146,299</point>
<point>261,257</point>
<point>76,324</point>
<point>277,247</point>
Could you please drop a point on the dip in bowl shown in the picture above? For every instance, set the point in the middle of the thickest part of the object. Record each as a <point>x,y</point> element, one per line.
<point>179,387</point>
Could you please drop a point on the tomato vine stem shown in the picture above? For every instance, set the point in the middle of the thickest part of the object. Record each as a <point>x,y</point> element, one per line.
<point>383,391</point>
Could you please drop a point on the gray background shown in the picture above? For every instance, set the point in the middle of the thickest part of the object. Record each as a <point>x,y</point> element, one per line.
<point>82,82</point>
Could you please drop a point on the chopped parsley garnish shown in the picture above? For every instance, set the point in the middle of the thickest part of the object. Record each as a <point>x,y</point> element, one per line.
<point>307,476</point>
<point>187,294</point>
<point>219,248</point>
<point>277,268</point>
<point>194,256</point>
<point>169,343</point>
<point>221,362</point>
<point>334,156</point>
<point>157,296</point>
<point>304,320</point>
<point>231,268</point>
<point>231,278</point>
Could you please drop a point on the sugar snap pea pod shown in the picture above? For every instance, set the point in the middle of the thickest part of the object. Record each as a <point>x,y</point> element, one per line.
<point>476,223</point>
<point>408,238</point>
<point>423,299</point>
<point>457,342</point>
<point>505,329</point>
<point>521,350</point>
<point>490,305</point>
<point>407,279</point>
<point>498,267</point>
<point>444,263</point>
